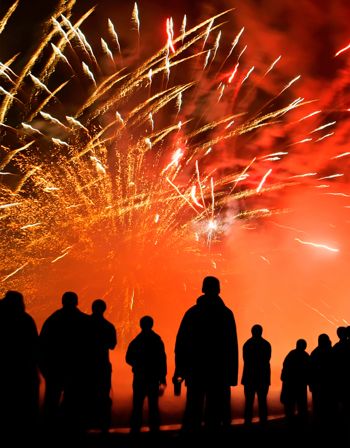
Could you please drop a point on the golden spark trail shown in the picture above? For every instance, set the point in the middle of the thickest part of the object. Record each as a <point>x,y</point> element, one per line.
<point>317,245</point>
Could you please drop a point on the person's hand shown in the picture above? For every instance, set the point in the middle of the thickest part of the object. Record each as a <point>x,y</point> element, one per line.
<point>161,390</point>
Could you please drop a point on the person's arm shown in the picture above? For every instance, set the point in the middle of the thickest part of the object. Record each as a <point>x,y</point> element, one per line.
<point>112,342</point>
<point>163,364</point>
<point>234,350</point>
<point>130,355</point>
<point>181,348</point>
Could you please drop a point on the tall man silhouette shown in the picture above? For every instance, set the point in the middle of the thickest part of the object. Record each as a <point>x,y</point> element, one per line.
<point>206,357</point>
<point>64,345</point>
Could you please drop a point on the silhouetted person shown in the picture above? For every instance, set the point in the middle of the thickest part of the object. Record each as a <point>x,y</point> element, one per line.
<point>295,379</point>
<point>104,338</point>
<point>206,357</point>
<point>65,340</point>
<point>256,374</point>
<point>19,376</point>
<point>341,354</point>
<point>146,356</point>
<point>322,381</point>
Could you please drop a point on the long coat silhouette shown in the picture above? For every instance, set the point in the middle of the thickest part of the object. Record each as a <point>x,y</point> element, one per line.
<point>65,341</point>
<point>104,339</point>
<point>341,355</point>
<point>206,356</point>
<point>256,373</point>
<point>146,355</point>
<point>19,376</point>
<point>295,378</point>
<point>322,380</point>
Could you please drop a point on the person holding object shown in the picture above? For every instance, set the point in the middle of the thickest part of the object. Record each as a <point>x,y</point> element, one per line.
<point>206,357</point>
<point>146,356</point>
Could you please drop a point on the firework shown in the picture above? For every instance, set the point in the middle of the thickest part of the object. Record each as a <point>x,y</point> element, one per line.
<point>127,171</point>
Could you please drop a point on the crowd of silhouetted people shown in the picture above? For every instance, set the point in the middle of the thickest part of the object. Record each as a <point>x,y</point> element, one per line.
<point>72,355</point>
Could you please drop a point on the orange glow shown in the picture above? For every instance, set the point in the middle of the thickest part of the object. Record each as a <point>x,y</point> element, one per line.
<point>101,191</point>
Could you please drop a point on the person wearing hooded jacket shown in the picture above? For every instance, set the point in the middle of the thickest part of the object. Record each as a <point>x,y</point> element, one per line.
<point>206,357</point>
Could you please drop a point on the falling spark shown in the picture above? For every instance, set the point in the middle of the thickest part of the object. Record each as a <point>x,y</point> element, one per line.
<point>323,127</point>
<point>209,27</point>
<point>106,49</point>
<point>114,34</point>
<point>14,272</point>
<point>28,127</point>
<point>221,92</point>
<point>179,102</point>
<point>5,92</point>
<point>318,245</point>
<point>342,195</point>
<point>303,175</point>
<point>148,142</point>
<point>235,42</point>
<point>332,176</point>
<point>325,136</point>
<point>233,74</point>
<point>247,75</point>
<point>30,226</point>
<point>305,140</point>
<point>311,115</point>
<point>207,59</point>
<point>263,180</point>
<point>272,65</point>
<point>149,76</point>
<point>170,34</point>
<point>216,45</point>
<point>54,120</point>
<point>38,83</point>
<point>343,154</point>
<point>58,141</point>
<point>342,50</point>
<point>59,53</point>
<point>174,160</point>
<point>135,17</point>
<point>183,27</point>
<point>193,196</point>
<point>119,118</point>
<point>73,122</point>
<point>132,299</point>
<point>274,154</point>
<point>290,84</point>
<point>13,204</point>
<point>150,117</point>
<point>89,73</point>
<point>99,166</point>
<point>60,257</point>
<point>241,53</point>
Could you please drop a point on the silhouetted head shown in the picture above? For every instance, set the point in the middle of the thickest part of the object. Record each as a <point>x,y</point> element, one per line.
<point>211,286</point>
<point>146,323</point>
<point>301,345</point>
<point>98,307</point>
<point>70,300</point>
<point>342,333</point>
<point>324,341</point>
<point>257,331</point>
<point>348,332</point>
<point>14,301</point>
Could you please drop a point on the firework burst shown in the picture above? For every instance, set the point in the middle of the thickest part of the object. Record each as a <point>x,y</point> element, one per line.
<point>109,169</point>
